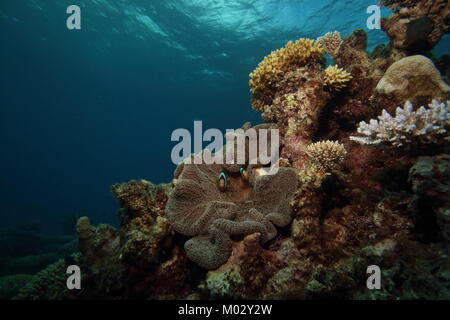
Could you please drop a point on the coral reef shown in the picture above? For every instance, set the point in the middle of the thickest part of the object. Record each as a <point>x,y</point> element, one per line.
<point>408,128</point>
<point>285,96</point>
<point>139,253</point>
<point>430,181</point>
<point>137,261</point>
<point>307,101</point>
<point>336,206</point>
<point>26,250</point>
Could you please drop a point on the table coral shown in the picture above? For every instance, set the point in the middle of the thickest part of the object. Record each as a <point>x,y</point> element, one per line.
<point>198,207</point>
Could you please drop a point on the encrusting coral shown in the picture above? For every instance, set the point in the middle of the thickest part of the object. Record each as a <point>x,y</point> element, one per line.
<point>408,127</point>
<point>247,202</point>
<point>336,78</point>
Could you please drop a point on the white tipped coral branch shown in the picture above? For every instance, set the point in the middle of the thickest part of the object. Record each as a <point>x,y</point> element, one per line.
<point>424,126</point>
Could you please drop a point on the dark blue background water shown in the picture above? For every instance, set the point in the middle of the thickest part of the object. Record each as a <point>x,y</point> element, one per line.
<point>81,110</point>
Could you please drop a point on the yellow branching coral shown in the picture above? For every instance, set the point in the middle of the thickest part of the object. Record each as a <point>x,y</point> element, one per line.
<point>328,155</point>
<point>331,42</point>
<point>336,78</point>
<point>288,58</point>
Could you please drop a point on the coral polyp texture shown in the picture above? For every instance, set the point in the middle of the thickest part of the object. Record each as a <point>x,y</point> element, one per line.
<point>246,202</point>
<point>336,78</point>
<point>408,127</point>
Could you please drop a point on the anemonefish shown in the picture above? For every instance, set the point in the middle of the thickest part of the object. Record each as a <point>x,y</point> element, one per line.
<point>222,182</point>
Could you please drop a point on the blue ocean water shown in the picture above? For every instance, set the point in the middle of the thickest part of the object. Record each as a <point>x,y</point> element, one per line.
<point>83,109</point>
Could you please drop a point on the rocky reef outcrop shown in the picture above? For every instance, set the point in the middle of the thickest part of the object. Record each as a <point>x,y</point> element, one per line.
<point>415,26</point>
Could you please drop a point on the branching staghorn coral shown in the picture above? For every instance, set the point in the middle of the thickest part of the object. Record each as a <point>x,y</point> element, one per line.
<point>275,65</point>
<point>212,202</point>
<point>331,42</point>
<point>408,127</point>
<point>336,78</point>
